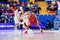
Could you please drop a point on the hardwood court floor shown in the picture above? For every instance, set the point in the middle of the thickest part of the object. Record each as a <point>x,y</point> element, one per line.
<point>32,35</point>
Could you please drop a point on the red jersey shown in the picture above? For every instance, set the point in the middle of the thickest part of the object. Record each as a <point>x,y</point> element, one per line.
<point>33,20</point>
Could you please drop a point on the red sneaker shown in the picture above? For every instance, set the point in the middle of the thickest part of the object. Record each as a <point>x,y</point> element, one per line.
<point>25,32</point>
<point>41,31</point>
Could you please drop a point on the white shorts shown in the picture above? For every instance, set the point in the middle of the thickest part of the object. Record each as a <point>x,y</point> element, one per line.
<point>21,23</point>
<point>16,20</point>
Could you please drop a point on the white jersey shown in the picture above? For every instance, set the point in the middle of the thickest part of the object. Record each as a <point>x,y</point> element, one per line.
<point>16,16</point>
<point>22,24</point>
<point>25,18</point>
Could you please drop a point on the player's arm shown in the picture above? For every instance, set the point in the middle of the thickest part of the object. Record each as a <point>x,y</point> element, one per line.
<point>37,19</point>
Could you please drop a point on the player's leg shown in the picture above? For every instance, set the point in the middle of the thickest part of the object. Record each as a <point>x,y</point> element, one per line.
<point>39,27</point>
<point>16,25</point>
<point>26,25</point>
<point>21,27</point>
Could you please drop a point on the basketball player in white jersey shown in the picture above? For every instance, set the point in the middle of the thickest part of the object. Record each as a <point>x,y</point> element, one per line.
<point>16,18</point>
<point>24,20</point>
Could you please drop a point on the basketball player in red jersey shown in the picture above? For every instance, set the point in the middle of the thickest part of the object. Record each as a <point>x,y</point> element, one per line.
<point>33,20</point>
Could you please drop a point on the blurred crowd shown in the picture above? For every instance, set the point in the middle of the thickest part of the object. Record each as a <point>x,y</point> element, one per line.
<point>7,10</point>
<point>53,7</point>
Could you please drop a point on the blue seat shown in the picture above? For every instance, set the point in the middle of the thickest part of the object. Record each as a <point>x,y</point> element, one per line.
<point>3,2</point>
<point>51,17</point>
<point>42,18</point>
<point>26,0</point>
<point>36,27</point>
<point>49,2</point>
<point>21,1</point>
<point>0,7</point>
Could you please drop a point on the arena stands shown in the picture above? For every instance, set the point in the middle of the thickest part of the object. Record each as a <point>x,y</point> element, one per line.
<point>7,11</point>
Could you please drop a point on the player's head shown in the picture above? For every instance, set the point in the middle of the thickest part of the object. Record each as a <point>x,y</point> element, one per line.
<point>28,13</point>
<point>21,14</point>
<point>32,14</point>
<point>14,7</point>
<point>21,20</point>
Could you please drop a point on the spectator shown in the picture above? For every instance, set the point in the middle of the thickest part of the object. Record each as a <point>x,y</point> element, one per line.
<point>56,6</point>
<point>27,6</point>
<point>50,24</point>
<point>18,4</point>
<point>11,3</point>
<point>0,13</point>
<point>23,4</point>
<point>2,16</point>
<point>35,4</point>
<point>5,7</point>
<point>6,17</point>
